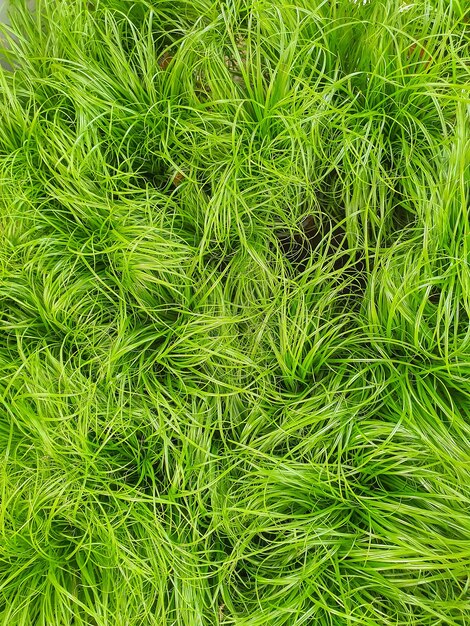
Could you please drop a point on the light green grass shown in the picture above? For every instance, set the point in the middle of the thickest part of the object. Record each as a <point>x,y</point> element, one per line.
<point>195,430</point>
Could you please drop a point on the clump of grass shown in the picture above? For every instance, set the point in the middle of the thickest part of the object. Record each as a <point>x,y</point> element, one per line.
<point>234,319</point>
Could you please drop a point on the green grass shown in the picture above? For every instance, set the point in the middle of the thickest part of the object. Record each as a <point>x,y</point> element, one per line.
<point>204,419</point>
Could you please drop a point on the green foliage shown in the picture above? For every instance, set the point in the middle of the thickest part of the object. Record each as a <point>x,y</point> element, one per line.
<point>235,314</point>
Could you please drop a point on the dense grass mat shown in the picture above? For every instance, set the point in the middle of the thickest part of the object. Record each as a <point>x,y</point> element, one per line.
<point>234,314</point>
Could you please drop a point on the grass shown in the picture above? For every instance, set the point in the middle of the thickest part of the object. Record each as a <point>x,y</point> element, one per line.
<point>234,321</point>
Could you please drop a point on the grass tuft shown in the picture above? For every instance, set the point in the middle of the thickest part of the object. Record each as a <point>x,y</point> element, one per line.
<point>235,313</point>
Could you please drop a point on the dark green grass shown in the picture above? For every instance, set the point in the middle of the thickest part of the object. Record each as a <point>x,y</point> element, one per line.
<point>204,418</point>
